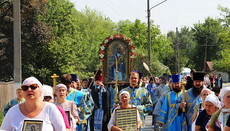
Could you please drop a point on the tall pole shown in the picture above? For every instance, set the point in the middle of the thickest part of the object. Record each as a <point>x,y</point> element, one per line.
<point>205,53</point>
<point>178,53</point>
<point>17,46</point>
<point>149,25</point>
<point>149,37</point>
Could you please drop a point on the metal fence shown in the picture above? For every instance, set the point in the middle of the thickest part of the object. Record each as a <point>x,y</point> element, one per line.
<point>6,93</point>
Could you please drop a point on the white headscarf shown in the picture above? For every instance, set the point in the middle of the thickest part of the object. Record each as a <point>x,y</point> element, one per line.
<point>223,92</point>
<point>206,89</point>
<point>213,99</point>
<point>124,92</point>
<point>47,91</point>
<point>60,86</point>
<point>32,80</point>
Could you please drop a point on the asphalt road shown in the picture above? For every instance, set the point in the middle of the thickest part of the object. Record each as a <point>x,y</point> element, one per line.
<point>226,84</point>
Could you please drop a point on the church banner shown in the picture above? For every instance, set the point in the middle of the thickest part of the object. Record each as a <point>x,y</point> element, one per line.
<point>117,53</point>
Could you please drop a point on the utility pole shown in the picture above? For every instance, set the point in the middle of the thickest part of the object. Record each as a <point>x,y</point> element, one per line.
<point>149,27</point>
<point>205,53</point>
<point>176,47</point>
<point>17,45</point>
<point>149,36</point>
<point>178,52</point>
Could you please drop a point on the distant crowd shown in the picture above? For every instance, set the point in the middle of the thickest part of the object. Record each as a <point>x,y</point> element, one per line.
<point>175,102</point>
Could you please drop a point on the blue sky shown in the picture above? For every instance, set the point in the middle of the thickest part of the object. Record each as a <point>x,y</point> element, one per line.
<point>169,15</point>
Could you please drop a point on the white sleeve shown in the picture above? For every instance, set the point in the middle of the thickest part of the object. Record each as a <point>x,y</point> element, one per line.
<point>12,120</point>
<point>6,122</point>
<point>111,121</point>
<point>57,119</point>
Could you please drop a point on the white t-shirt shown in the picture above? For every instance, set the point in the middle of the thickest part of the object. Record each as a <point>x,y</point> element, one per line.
<point>50,115</point>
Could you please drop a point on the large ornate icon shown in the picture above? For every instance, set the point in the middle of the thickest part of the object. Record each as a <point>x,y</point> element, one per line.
<point>117,54</point>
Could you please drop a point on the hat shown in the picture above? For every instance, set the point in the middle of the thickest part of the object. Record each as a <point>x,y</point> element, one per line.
<point>176,78</point>
<point>74,77</point>
<point>60,86</point>
<point>198,76</point>
<point>98,76</point>
<point>47,91</point>
<point>213,99</point>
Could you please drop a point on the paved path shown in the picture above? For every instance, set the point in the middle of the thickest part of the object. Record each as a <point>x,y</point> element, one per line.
<point>226,84</point>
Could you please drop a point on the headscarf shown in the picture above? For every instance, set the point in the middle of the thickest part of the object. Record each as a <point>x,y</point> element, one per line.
<point>32,80</point>
<point>213,99</point>
<point>206,89</point>
<point>60,86</point>
<point>223,92</point>
<point>47,91</point>
<point>124,92</point>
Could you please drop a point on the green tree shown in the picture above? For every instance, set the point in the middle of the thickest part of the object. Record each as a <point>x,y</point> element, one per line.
<point>223,64</point>
<point>34,38</point>
<point>94,28</point>
<point>6,41</point>
<point>160,45</point>
<point>184,40</point>
<point>206,33</point>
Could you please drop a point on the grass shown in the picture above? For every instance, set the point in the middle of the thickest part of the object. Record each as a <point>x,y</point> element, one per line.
<point>1,117</point>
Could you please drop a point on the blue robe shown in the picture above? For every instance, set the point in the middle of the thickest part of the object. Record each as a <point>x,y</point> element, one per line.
<point>140,98</point>
<point>12,102</point>
<point>84,104</point>
<point>169,114</point>
<point>192,104</point>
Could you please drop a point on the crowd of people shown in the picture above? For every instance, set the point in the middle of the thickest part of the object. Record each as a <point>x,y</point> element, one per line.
<point>183,103</point>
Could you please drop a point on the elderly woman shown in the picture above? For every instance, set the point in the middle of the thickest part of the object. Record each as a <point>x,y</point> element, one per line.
<point>204,93</point>
<point>219,118</point>
<point>70,106</point>
<point>124,98</point>
<point>212,104</point>
<point>33,109</point>
<point>48,97</point>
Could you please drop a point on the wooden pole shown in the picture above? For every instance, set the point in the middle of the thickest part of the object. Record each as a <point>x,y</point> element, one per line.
<point>116,82</point>
<point>183,94</point>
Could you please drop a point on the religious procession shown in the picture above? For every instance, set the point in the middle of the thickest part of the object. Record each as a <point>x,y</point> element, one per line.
<point>114,65</point>
<point>118,98</point>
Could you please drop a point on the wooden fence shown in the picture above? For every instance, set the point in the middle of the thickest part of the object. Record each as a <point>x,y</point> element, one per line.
<point>6,93</point>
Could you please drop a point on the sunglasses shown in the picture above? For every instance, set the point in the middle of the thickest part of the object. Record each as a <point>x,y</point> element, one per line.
<point>32,87</point>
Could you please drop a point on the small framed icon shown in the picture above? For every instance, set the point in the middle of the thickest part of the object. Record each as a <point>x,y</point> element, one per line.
<point>32,125</point>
